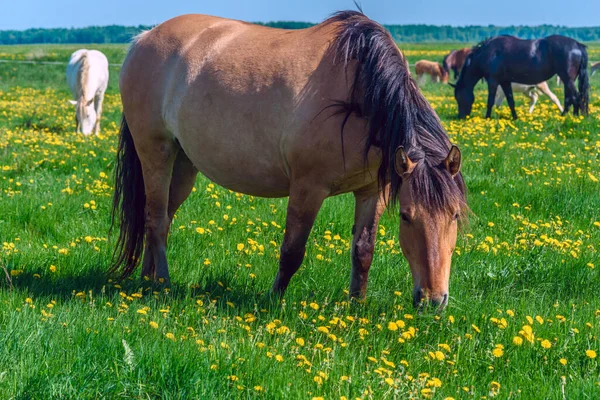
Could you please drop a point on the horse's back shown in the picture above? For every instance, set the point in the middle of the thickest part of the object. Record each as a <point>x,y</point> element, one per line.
<point>96,75</point>
<point>239,98</point>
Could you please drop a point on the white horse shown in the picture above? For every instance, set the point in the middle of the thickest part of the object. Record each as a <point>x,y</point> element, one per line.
<point>530,91</point>
<point>87,76</point>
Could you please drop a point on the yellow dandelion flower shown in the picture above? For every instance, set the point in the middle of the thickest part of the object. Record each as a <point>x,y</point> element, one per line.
<point>590,353</point>
<point>517,341</point>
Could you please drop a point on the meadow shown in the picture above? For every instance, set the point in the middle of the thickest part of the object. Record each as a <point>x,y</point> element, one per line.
<point>523,319</point>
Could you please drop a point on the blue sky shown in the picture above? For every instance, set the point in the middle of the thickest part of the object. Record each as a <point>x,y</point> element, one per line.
<point>23,14</point>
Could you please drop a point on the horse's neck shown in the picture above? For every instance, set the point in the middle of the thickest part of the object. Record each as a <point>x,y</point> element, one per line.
<point>471,75</point>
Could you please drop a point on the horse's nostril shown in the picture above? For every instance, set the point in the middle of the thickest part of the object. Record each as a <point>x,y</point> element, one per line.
<point>418,296</point>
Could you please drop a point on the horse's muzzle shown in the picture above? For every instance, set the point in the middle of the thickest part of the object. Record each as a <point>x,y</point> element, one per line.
<point>422,300</point>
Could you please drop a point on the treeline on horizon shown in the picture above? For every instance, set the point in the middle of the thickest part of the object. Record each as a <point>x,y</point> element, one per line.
<point>401,33</point>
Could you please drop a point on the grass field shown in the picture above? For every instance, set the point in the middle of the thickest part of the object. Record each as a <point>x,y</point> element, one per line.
<point>523,320</point>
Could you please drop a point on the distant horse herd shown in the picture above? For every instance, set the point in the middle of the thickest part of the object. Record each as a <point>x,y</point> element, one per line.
<point>509,65</point>
<point>223,97</point>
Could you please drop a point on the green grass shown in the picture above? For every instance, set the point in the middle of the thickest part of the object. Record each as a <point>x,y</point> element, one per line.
<point>67,331</point>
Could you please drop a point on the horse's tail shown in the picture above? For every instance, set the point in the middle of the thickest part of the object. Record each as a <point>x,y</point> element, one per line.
<point>128,204</point>
<point>584,82</point>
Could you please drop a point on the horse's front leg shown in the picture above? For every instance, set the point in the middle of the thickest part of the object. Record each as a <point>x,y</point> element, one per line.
<point>533,98</point>
<point>367,210</point>
<point>507,89</point>
<point>303,206</point>
<point>98,100</point>
<point>492,87</point>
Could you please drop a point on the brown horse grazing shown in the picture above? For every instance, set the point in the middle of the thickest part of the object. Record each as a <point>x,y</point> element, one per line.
<point>433,69</point>
<point>307,114</point>
<point>455,60</point>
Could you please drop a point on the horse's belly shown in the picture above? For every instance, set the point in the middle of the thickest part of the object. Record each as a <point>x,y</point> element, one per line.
<point>229,163</point>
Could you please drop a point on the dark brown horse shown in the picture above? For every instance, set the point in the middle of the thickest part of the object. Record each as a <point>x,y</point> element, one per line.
<point>506,59</point>
<point>455,61</point>
<point>307,114</point>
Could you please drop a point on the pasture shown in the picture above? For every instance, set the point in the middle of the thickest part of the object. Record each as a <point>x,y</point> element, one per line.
<point>523,320</point>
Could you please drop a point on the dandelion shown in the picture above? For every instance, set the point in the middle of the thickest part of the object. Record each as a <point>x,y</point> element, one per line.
<point>52,268</point>
<point>546,344</point>
<point>153,324</point>
<point>563,361</point>
<point>170,336</point>
<point>590,353</point>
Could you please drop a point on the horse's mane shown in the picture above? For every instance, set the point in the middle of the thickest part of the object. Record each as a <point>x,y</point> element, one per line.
<point>383,91</point>
<point>82,77</point>
<point>475,50</point>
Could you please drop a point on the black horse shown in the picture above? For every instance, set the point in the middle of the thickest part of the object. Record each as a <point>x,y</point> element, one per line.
<point>505,59</point>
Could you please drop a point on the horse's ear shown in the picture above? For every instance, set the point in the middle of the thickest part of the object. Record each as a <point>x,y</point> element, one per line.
<point>452,84</point>
<point>402,164</point>
<point>73,102</point>
<point>453,160</point>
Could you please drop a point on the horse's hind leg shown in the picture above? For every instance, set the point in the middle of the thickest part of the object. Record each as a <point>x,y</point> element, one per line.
<point>367,210</point>
<point>570,96</point>
<point>546,90</point>
<point>182,182</point>
<point>303,206</point>
<point>157,156</point>
<point>183,178</point>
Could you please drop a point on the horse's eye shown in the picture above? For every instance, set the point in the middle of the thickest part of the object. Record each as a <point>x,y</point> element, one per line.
<point>456,216</point>
<point>405,218</point>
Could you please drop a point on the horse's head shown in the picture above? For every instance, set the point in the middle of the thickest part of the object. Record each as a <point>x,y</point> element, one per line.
<point>444,73</point>
<point>85,115</point>
<point>432,199</point>
<point>464,98</point>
